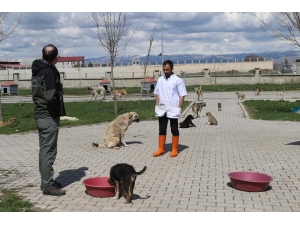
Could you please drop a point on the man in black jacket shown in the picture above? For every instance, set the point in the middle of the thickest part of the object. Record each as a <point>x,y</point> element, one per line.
<point>47,95</point>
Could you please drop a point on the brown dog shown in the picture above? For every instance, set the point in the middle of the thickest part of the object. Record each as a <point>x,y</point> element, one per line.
<point>211,120</point>
<point>120,93</point>
<point>125,175</point>
<point>115,132</point>
<point>257,90</point>
<point>9,122</point>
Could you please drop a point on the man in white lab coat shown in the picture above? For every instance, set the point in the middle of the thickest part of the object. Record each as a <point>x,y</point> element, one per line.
<point>170,92</point>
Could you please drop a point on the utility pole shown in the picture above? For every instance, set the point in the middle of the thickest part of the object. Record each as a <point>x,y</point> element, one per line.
<point>162,40</point>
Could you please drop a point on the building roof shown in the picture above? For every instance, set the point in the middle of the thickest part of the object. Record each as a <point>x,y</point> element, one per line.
<point>14,66</point>
<point>70,59</point>
<point>8,83</point>
<point>149,80</point>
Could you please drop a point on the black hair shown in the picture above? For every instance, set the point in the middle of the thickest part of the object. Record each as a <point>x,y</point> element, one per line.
<point>51,54</point>
<point>168,62</point>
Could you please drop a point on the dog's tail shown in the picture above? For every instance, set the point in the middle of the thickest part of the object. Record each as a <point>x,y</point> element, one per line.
<point>142,171</point>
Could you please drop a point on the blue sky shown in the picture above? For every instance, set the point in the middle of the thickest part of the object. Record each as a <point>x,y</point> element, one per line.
<point>184,31</point>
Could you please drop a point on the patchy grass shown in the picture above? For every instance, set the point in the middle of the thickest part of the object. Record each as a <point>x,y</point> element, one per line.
<point>87,112</point>
<point>272,110</point>
<point>12,202</point>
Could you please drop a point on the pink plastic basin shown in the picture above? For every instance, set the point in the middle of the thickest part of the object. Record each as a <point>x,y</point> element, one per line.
<point>250,181</point>
<point>99,187</point>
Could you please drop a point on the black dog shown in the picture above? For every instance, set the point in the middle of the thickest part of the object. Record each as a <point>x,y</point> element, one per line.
<point>124,174</point>
<point>187,122</point>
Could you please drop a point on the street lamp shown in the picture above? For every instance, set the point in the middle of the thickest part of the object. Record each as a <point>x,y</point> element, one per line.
<point>162,40</point>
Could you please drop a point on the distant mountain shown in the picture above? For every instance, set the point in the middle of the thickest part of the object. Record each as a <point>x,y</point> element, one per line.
<point>276,55</point>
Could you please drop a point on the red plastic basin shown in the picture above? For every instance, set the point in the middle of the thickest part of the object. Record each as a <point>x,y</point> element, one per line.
<point>250,181</point>
<point>99,187</point>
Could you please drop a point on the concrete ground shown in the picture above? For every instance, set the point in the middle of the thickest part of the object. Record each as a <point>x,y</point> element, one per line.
<point>195,181</point>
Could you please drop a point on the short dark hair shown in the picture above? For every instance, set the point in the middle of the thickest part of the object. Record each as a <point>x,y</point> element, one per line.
<point>51,54</point>
<point>168,62</point>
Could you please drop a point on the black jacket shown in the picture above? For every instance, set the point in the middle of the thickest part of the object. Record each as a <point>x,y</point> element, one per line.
<point>47,90</point>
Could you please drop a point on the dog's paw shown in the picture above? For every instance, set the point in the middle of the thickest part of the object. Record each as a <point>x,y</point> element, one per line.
<point>95,144</point>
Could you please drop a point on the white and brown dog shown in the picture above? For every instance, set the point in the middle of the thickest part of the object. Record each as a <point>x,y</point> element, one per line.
<point>97,90</point>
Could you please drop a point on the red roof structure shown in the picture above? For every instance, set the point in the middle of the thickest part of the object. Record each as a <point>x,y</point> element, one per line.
<point>104,81</point>
<point>8,83</point>
<point>70,59</point>
<point>149,80</point>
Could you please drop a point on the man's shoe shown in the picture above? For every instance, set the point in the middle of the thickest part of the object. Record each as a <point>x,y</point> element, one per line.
<point>53,190</point>
<point>55,183</point>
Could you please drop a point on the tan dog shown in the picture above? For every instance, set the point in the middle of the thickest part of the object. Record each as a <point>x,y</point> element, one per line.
<point>115,132</point>
<point>197,107</point>
<point>120,93</point>
<point>211,120</point>
<point>199,92</point>
<point>240,95</point>
<point>219,106</point>
<point>9,122</point>
<point>257,90</point>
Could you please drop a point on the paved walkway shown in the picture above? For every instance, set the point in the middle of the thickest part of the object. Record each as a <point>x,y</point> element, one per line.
<point>194,181</point>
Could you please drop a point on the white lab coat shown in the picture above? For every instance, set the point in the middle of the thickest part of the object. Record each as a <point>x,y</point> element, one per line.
<point>169,92</point>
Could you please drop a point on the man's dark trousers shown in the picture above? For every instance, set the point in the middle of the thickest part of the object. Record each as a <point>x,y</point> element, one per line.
<point>48,134</point>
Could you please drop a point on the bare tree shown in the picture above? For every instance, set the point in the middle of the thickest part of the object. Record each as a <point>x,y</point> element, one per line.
<point>112,27</point>
<point>145,68</point>
<point>6,31</point>
<point>286,26</point>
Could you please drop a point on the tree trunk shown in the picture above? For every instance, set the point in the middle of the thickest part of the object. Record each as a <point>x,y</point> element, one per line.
<point>1,119</point>
<point>113,84</point>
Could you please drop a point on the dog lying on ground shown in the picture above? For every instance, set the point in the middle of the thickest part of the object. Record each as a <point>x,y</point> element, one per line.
<point>125,175</point>
<point>97,90</point>
<point>240,95</point>
<point>187,122</point>
<point>219,106</point>
<point>11,121</point>
<point>199,92</point>
<point>197,107</point>
<point>211,120</point>
<point>120,93</point>
<point>257,90</point>
<point>68,118</point>
<point>115,132</point>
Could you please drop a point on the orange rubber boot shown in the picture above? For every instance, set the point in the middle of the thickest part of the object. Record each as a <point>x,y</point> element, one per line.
<point>161,146</point>
<point>175,141</point>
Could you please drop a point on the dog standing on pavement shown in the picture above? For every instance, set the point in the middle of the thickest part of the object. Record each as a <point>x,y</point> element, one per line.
<point>197,107</point>
<point>125,175</point>
<point>240,95</point>
<point>219,106</point>
<point>97,90</point>
<point>257,90</point>
<point>199,92</point>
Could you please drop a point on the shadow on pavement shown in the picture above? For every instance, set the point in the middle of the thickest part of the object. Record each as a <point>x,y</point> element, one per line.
<point>67,177</point>
<point>229,184</point>
<point>168,147</point>
<point>294,143</point>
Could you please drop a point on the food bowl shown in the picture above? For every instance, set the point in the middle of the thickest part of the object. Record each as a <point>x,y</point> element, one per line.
<point>250,181</point>
<point>99,187</point>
